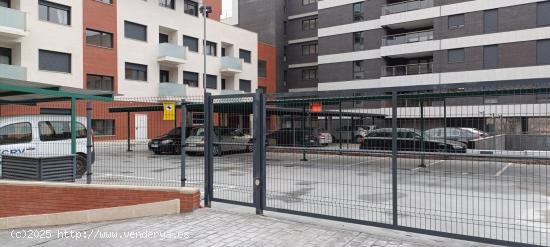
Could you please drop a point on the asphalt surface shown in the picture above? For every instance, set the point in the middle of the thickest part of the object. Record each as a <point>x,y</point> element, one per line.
<point>491,199</point>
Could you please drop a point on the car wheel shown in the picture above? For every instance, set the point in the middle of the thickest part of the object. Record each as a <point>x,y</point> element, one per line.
<point>157,152</point>
<point>250,148</point>
<point>217,151</point>
<point>358,139</point>
<point>81,165</point>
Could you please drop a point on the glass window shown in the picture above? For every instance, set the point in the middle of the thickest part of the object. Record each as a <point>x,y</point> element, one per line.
<point>59,130</point>
<point>359,11</point>
<point>490,21</point>
<point>99,38</point>
<point>16,133</point>
<point>262,68</point>
<point>543,16</point>
<point>211,48</point>
<point>309,74</point>
<point>163,38</point>
<point>164,76</point>
<point>5,3</point>
<point>100,82</point>
<point>53,12</point>
<point>245,85</point>
<point>310,24</point>
<point>103,127</point>
<point>211,81</point>
<point>358,41</point>
<point>310,49</point>
<point>308,2</point>
<point>191,79</point>
<point>358,70</point>
<point>136,72</point>
<point>191,43</point>
<point>490,57</point>
<point>54,61</point>
<point>106,1</point>
<point>191,8</point>
<point>5,55</point>
<point>135,31</point>
<point>245,55</point>
<point>456,55</point>
<point>456,21</point>
<point>167,4</point>
<point>543,52</point>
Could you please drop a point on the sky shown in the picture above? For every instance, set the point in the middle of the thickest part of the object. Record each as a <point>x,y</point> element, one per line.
<point>226,8</point>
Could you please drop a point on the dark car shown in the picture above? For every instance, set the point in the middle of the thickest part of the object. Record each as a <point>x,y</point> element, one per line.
<point>169,142</point>
<point>463,135</point>
<point>308,137</point>
<point>409,140</point>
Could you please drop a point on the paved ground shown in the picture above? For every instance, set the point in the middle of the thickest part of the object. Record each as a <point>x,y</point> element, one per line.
<point>216,227</point>
<point>491,199</point>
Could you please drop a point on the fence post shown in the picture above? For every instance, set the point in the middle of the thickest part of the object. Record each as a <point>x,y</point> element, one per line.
<point>422,128</point>
<point>89,144</point>
<point>304,158</point>
<point>259,151</point>
<point>394,158</point>
<point>183,142</point>
<point>208,147</point>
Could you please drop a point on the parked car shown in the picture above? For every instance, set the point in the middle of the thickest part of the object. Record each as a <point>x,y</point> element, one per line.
<point>225,140</point>
<point>455,134</point>
<point>325,138</point>
<point>351,135</point>
<point>168,142</point>
<point>408,140</point>
<point>307,137</point>
<point>44,135</point>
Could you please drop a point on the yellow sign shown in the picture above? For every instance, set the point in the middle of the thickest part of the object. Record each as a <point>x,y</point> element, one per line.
<point>169,111</point>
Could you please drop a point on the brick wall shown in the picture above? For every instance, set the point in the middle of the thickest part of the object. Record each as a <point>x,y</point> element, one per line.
<point>37,198</point>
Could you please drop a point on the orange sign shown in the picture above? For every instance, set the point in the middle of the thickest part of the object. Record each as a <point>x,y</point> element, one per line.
<point>315,107</point>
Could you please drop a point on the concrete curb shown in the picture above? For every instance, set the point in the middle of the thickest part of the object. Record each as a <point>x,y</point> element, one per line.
<point>93,215</point>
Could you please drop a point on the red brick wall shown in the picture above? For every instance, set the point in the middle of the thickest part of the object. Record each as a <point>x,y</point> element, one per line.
<point>267,53</point>
<point>216,9</point>
<point>18,200</point>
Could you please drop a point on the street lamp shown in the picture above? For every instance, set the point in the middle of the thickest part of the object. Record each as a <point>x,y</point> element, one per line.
<point>205,10</point>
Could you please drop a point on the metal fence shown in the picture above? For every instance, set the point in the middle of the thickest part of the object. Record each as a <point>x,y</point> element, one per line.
<point>456,162</point>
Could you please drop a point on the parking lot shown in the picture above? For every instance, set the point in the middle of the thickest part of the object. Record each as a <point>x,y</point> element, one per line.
<point>492,199</point>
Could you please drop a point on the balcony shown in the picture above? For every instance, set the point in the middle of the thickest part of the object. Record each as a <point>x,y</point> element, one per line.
<point>406,38</point>
<point>14,72</point>
<point>231,65</point>
<point>172,55</point>
<point>172,90</point>
<point>406,6</point>
<point>408,69</point>
<point>230,92</point>
<point>12,23</point>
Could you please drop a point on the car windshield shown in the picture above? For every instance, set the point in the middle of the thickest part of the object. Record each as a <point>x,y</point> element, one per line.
<point>198,132</point>
<point>175,131</point>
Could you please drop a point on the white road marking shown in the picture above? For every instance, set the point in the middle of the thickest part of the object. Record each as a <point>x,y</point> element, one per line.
<point>368,161</point>
<point>428,165</point>
<point>503,170</point>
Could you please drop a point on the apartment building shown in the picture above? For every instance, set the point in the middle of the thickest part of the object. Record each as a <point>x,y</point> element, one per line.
<point>140,48</point>
<point>350,44</point>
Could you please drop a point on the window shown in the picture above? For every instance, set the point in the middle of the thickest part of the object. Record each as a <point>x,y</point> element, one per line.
<point>543,18</point>
<point>211,48</point>
<point>211,81</point>
<point>59,130</point>
<point>163,38</point>
<point>223,84</point>
<point>5,55</point>
<point>105,1</point>
<point>309,74</point>
<point>490,57</point>
<point>53,12</point>
<point>198,118</point>
<point>309,24</point>
<point>456,56</point>
<point>358,70</point>
<point>164,76</point>
<point>490,21</point>
<point>191,8</point>
<point>191,43</point>
<point>359,11</point>
<point>16,133</point>
<point>308,2</point>
<point>310,49</point>
<point>135,31</point>
<point>456,21</point>
<point>167,4</point>
<point>5,3</point>
<point>99,38</point>
<point>358,41</point>
<point>136,72</point>
<point>245,85</point>
<point>245,55</point>
<point>103,127</point>
<point>54,61</point>
<point>191,79</point>
<point>543,52</point>
<point>262,68</point>
<point>100,82</point>
<point>490,100</point>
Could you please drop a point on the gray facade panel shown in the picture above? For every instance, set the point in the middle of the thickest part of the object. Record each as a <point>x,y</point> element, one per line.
<point>473,60</point>
<point>295,29</point>
<point>517,54</point>
<point>294,54</point>
<point>344,71</point>
<point>295,79</point>
<point>295,7</point>
<point>344,42</point>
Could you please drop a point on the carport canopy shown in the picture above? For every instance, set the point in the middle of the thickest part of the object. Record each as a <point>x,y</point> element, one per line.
<point>29,93</point>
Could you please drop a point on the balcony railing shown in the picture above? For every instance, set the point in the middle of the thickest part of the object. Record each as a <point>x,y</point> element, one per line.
<point>14,20</point>
<point>408,69</point>
<point>405,38</point>
<point>231,64</point>
<point>171,53</point>
<point>406,6</point>
<point>14,72</point>
<point>172,90</point>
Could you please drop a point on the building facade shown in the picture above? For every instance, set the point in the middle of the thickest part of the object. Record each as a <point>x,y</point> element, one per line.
<point>351,44</point>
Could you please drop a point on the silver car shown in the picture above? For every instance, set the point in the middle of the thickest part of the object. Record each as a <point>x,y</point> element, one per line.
<point>225,140</point>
